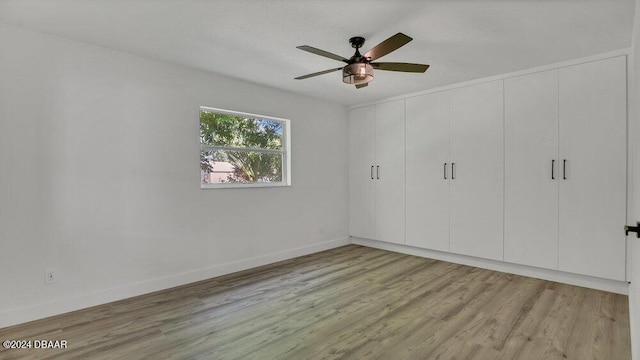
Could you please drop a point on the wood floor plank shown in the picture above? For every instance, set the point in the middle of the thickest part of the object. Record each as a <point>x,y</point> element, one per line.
<point>351,302</point>
<point>503,322</point>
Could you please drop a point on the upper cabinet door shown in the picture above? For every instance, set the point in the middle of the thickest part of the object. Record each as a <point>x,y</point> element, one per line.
<point>428,171</point>
<point>390,187</point>
<point>477,150</point>
<point>362,195</point>
<point>593,152</point>
<point>531,169</point>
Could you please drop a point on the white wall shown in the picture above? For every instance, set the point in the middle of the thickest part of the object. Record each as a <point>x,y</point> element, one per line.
<point>634,198</point>
<point>99,177</point>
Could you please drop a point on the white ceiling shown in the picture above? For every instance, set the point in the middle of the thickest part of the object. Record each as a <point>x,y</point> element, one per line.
<point>256,40</point>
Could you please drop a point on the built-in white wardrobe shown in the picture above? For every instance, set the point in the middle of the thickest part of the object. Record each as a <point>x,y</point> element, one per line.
<point>377,172</point>
<point>528,169</point>
<point>454,168</point>
<point>565,133</point>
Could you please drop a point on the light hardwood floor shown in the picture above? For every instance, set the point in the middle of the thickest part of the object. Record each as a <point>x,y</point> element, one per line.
<point>351,302</point>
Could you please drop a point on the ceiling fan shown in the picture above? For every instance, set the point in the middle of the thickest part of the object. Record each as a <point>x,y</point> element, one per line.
<point>359,68</point>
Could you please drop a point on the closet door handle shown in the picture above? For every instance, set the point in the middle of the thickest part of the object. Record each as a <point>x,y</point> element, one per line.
<point>635,229</point>
<point>453,174</point>
<point>553,165</point>
<point>371,172</point>
<point>445,171</point>
<point>378,172</point>
<point>564,169</point>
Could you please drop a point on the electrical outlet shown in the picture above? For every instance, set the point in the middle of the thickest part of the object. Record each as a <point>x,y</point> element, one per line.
<point>50,276</point>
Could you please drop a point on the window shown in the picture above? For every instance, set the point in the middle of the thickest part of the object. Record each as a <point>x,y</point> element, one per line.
<point>243,150</point>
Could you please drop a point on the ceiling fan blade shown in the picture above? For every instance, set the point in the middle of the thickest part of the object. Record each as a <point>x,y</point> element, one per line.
<point>398,66</point>
<point>361,85</point>
<point>317,73</point>
<point>387,46</point>
<point>322,53</point>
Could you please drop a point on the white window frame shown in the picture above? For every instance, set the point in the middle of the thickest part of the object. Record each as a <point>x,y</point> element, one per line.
<point>285,151</point>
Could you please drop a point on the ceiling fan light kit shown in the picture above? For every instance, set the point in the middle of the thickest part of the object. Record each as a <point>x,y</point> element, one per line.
<point>357,74</point>
<point>359,68</point>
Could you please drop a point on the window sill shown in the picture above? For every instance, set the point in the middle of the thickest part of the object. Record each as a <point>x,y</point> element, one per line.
<point>242,186</point>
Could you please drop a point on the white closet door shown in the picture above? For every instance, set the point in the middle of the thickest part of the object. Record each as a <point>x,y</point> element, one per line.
<point>593,143</point>
<point>428,171</point>
<point>477,149</point>
<point>362,188</point>
<point>390,187</point>
<point>531,194</point>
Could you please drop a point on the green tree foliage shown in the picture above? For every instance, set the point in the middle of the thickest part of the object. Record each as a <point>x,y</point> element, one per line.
<point>242,132</point>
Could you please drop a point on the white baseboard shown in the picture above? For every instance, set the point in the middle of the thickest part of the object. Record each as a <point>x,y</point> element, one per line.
<point>60,306</point>
<point>619,287</point>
